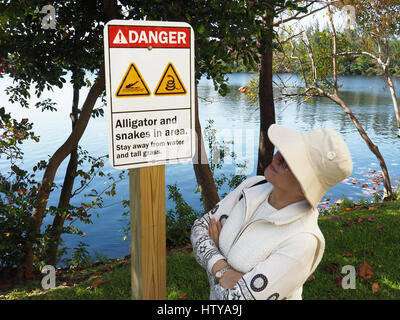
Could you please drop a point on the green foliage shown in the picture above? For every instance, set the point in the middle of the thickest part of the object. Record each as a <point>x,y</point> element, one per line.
<point>251,92</point>
<point>180,219</point>
<point>18,194</point>
<point>219,152</point>
<point>13,133</point>
<point>15,207</point>
<point>17,190</point>
<point>81,256</point>
<point>353,40</point>
<point>226,32</point>
<point>34,54</point>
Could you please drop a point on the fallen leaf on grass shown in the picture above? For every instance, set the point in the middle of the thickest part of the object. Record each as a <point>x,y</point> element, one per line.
<point>95,283</point>
<point>332,267</point>
<point>348,254</point>
<point>183,295</point>
<point>380,228</point>
<point>365,271</point>
<point>347,209</point>
<point>375,287</point>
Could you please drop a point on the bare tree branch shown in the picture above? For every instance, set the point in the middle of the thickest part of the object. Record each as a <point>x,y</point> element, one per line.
<point>311,55</point>
<point>360,53</point>
<point>296,16</point>
<point>334,38</point>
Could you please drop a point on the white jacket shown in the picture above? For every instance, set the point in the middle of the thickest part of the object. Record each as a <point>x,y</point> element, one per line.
<point>277,250</point>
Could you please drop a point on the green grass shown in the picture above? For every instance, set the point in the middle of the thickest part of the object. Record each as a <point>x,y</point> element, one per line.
<point>360,241</point>
<point>186,279</point>
<point>364,241</point>
<point>77,284</point>
<point>380,249</point>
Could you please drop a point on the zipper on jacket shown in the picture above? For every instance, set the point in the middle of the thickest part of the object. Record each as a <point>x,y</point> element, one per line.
<point>247,224</point>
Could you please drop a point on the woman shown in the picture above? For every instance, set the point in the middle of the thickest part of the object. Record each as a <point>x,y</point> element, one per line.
<point>262,241</point>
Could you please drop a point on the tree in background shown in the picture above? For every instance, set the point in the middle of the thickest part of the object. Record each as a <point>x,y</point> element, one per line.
<point>319,61</point>
<point>274,13</point>
<point>225,31</point>
<point>42,57</point>
<point>378,24</point>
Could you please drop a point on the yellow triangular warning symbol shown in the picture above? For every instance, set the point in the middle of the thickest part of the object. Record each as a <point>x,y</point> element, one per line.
<point>132,84</point>
<point>170,83</point>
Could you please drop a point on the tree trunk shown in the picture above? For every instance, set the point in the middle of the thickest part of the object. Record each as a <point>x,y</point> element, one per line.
<point>65,196</point>
<point>267,106</point>
<point>51,169</point>
<point>201,166</point>
<point>389,81</point>
<point>388,193</point>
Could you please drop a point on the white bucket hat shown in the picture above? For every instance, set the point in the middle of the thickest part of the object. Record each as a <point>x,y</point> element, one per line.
<point>319,158</point>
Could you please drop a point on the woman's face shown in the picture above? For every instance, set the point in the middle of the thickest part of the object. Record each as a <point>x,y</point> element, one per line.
<point>280,176</point>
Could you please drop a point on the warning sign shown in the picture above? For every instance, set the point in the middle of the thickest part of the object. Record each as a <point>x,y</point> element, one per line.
<point>150,86</point>
<point>120,38</point>
<point>132,84</point>
<point>170,83</point>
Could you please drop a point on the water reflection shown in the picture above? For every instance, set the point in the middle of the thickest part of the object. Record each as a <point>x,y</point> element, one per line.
<point>367,99</point>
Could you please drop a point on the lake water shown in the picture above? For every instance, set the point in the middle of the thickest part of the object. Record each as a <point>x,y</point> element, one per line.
<point>234,119</point>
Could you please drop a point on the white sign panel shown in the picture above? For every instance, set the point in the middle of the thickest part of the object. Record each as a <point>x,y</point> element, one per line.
<point>149,68</point>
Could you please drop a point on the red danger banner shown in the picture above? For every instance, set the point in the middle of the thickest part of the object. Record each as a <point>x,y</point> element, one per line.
<point>144,37</point>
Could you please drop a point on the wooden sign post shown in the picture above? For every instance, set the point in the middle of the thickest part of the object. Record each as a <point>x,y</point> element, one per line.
<point>149,68</point>
<point>148,232</point>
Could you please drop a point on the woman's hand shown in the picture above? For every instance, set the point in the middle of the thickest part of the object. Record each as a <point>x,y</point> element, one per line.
<point>214,230</point>
<point>230,278</point>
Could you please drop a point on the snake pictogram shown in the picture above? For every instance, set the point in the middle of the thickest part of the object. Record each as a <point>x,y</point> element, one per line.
<point>170,84</point>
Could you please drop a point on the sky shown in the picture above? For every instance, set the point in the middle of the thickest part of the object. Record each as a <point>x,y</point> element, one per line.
<point>341,18</point>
